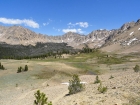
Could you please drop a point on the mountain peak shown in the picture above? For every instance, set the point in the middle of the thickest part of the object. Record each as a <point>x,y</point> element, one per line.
<point>19,35</point>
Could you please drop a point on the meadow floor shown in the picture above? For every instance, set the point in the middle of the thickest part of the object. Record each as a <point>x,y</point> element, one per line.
<point>47,76</point>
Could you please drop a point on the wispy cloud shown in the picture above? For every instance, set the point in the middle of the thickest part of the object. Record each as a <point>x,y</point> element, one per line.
<point>56,29</point>
<point>47,23</point>
<point>73,30</point>
<point>81,24</point>
<point>26,22</point>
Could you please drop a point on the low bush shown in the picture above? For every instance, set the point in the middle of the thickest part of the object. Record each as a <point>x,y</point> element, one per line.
<point>101,88</point>
<point>111,77</point>
<point>97,80</point>
<point>136,68</point>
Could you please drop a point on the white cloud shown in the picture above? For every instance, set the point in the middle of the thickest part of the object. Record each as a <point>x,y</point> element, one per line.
<point>56,29</point>
<point>80,31</point>
<point>72,30</point>
<point>26,22</point>
<point>69,30</point>
<point>81,24</point>
<point>49,21</point>
<point>59,30</point>
<point>45,24</point>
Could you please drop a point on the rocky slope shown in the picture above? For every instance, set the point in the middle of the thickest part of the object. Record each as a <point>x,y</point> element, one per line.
<point>126,40</point>
<point>17,35</point>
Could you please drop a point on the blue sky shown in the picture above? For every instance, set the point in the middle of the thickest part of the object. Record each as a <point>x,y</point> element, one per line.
<point>56,17</point>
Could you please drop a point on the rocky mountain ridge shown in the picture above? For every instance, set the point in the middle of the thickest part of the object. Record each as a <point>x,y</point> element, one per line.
<point>127,39</point>
<point>17,35</point>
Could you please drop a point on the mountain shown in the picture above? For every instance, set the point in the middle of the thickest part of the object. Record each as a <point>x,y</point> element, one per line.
<point>127,39</point>
<point>17,35</point>
<point>108,40</point>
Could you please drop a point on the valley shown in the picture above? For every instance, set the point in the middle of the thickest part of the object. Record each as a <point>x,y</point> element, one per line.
<point>48,75</point>
<point>69,52</point>
<point>53,60</point>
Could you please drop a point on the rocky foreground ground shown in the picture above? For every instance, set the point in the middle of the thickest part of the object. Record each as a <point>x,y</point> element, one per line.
<point>123,88</point>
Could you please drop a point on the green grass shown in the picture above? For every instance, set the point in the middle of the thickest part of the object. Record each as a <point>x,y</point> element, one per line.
<point>133,101</point>
<point>111,60</point>
<point>90,62</point>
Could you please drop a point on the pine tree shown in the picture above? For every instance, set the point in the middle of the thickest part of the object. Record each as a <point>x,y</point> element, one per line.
<point>41,99</point>
<point>19,69</point>
<point>2,67</point>
<point>75,85</point>
<point>26,68</point>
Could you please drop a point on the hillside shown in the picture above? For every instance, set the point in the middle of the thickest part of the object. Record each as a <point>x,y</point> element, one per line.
<point>126,42</point>
<point>40,49</point>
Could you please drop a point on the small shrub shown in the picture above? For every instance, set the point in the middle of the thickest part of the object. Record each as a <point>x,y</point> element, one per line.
<point>19,69</point>
<point>136,68</point>
<point>111,77</point>
<point>74,85</point>
<point>102,89</point>
<point>97,80</point>
<point>16,85</point>
<point>41,99</point>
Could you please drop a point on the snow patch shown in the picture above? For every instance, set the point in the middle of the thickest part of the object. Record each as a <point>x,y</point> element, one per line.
<point>66,83</point>
<point>86,41</point>
<point>131,41</point>
<point>131,33</point>
<point>99,39</point>
<point>114,40</point>
<point>139,29</point>
<point>99,45</point>
<point>93,39</point>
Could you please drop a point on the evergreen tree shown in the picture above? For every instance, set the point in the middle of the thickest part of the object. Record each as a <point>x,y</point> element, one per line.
<point>2,67</point>
<point>75,85</point>
<point>41,99</point>
<point>19,70</point>
<point>26,68</point>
